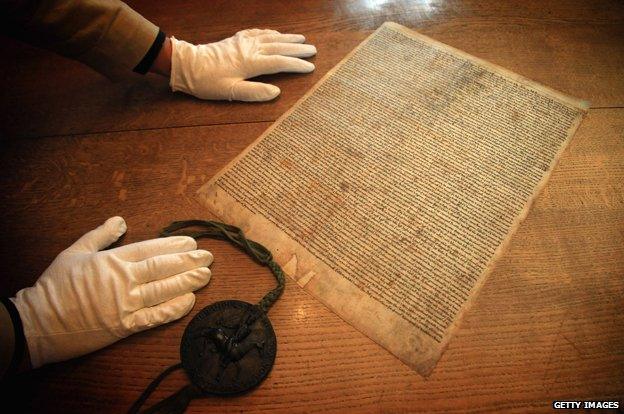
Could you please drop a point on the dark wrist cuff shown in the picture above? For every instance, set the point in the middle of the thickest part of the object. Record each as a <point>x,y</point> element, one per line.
<point>20,341</point>
<point>148,60</point>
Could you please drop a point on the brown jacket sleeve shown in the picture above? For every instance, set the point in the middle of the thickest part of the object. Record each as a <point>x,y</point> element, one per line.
<point>105,34</point>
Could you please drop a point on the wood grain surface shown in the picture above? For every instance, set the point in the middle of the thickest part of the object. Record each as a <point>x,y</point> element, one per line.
<point>547,325</point>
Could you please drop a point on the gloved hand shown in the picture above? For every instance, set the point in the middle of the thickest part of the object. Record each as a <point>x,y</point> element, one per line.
<point>218,70</point>
<point>88,298</point>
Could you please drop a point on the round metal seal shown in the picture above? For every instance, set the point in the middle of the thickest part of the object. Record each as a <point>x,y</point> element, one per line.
<point>228,348</point>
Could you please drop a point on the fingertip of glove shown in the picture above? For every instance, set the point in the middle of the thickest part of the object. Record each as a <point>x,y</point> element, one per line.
<point>307,67</point>
<point>181,305</point>
<point>254,91</point>
<point>202,275</point>
<point>298,38</point>
<point>117,225</point>
<point>204,256</point>
<point>272,92</point>
<point>188,300</point>
<point>209,258</point>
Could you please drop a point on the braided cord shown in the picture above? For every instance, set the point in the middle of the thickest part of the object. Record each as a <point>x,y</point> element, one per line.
<point>222,231</point>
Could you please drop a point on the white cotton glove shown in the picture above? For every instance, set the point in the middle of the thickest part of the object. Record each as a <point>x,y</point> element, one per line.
<point>218,70</point>
<point>88,298</point>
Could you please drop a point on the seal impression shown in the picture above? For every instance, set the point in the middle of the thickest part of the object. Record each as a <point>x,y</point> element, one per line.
<point>228,348</point>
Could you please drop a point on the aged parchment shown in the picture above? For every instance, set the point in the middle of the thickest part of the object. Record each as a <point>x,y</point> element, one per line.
<point>390,189</point>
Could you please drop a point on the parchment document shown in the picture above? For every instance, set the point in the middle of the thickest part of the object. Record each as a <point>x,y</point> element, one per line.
<point>390,189</point>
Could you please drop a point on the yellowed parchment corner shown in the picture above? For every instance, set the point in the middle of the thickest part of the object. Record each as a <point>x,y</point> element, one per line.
<point>506,73</point>
<point>399,337</point>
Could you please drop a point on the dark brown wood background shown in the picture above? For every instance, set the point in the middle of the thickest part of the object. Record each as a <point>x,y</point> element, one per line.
<point>548,324</point>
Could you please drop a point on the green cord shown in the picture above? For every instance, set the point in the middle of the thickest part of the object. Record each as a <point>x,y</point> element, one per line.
<point>216,230</point>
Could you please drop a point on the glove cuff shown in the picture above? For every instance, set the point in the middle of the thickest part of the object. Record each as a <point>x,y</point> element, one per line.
<point>19,345</point>
<point>177,79</point>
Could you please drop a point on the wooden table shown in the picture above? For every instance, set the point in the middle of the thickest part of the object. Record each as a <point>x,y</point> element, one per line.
<point>549,323</point>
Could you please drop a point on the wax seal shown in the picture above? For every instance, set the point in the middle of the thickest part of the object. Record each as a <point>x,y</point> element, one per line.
<point>228,348</point>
